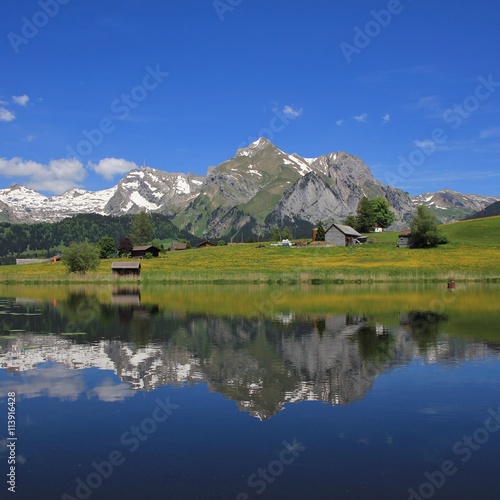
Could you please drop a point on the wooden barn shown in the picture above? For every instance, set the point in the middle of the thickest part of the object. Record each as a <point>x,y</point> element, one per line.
<point>404,239</point>
<point>343,236</point>
<point>179,245</point>
<point>126,268</point>
<point>141,251</point>
<point>205,244</point>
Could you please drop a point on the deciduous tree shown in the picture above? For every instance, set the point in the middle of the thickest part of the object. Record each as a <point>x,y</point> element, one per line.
<point>424,229</point>
<point>125,246</point>
<point>384,216</point>
<point>365,215</point>
<point>107,247</point>
<point>81,257</point>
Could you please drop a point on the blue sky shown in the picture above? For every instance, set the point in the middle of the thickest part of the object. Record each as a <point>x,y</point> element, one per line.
<point>91,89</point>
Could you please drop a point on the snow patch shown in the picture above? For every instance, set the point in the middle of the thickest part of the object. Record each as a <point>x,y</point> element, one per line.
<point>131,185</point>
<point>304,168</point>
<point>142,202</point>
<point>310,161</point>
<point>182,186</point>
<point>258,142</point>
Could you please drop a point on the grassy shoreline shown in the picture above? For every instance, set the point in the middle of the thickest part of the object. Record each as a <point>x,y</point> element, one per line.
<point>473,254</point>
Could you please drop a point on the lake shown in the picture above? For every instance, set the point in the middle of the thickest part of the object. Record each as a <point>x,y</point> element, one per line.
<point>243,392</point>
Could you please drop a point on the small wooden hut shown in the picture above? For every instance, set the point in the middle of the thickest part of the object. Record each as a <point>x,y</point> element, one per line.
<point>126,268</point>
<point>404,239</point>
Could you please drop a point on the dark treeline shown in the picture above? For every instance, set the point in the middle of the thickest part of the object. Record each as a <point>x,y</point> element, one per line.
<point>44,239</point>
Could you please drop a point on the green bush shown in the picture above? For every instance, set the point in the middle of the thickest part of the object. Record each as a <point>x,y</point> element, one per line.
<point>81,257</point>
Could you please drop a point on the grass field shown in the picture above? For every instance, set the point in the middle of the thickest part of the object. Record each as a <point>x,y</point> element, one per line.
<point>473,253</point>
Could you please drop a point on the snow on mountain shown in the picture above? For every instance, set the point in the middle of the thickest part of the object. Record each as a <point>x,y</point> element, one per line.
<point>260,185</point>
<point>141,189</point>
<point>26,205</point>
<point>450,205</point>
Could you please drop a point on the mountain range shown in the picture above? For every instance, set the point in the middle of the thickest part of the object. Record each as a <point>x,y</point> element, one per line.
<point>260,187</point>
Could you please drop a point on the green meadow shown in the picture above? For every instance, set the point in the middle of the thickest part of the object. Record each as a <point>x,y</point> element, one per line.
<point>472,254</point>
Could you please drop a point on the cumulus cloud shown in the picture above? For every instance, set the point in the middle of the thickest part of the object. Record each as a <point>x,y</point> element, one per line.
<point>109,167</point>
<point>22,100</point>
<point>339,123</point>
<point>6,115</point>
<point>54,177</point>
<point>361,118</point>
<point>53,382</point>
<point>110,392</point>
<point>386,118</point>
<point>290,112</point>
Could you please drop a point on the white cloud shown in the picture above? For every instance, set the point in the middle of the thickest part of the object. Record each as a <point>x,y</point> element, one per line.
<point>55,177</point>
<point>361,118</point>
<point>290,112</point>
<point>22,100</point>
<point>431,102</point>
<point>111,393</point>
<point>425,144</point>
<point>386,118</point>
<point>30,138</point>
<point>53,382</point>
<point>339,123</point>
<point>6,115</point>
<point>109,167</point>
<point>489,133</point>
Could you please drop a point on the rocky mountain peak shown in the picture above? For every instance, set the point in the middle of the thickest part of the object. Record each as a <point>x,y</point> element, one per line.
<point>260,186</point>
<point>254,147</point>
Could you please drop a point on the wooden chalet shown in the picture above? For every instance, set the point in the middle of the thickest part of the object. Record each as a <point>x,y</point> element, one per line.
<point>205,244</point>
<point>141,251</point>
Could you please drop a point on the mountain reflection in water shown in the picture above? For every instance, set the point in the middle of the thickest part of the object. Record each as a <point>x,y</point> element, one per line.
<point>260,362</point>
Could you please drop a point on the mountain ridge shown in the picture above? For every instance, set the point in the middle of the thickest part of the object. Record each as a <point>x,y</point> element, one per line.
<point>260,186</point>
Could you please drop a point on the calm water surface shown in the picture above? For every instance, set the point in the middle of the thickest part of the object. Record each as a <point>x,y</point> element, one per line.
<point>341,392</point>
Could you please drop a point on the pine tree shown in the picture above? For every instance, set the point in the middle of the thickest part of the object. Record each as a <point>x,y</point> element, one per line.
<point>286,233</point>
<point>141,229</point>
<point>275,234</point>
<point>320,233</point>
